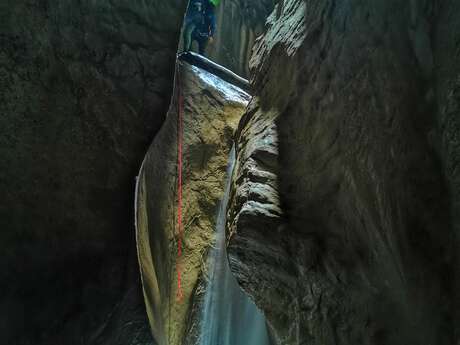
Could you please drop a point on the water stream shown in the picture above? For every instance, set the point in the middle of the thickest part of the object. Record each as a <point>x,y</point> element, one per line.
<point>229,317</point>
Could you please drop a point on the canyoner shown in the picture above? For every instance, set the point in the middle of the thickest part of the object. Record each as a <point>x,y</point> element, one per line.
<point>200,24</point>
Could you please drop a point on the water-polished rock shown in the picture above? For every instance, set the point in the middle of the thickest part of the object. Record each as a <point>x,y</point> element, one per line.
<point>212,110</point>
<point>351,240</point>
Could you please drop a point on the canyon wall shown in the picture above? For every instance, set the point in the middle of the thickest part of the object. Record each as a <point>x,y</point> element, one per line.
<point>85,85</point>
<point>446,73</point>
<point>239,23</point>
<point>343,223</point>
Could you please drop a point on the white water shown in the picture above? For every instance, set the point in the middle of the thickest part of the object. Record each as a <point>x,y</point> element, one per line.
<point>229,317</point>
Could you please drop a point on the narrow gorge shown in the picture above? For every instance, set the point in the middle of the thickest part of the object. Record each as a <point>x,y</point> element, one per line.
<point>296,186</point>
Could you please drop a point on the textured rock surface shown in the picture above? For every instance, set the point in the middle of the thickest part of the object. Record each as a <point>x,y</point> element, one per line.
<point>257,255</point>
<point>212,110</point>
<point>447,89</point>
<point>239,23</point>
<point>127,324</point>
<point>341,224</point>
<point>84,86</point>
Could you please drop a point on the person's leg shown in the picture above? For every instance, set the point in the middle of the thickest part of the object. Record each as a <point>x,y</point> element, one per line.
<point>202,43</point>
<point>188,31</point>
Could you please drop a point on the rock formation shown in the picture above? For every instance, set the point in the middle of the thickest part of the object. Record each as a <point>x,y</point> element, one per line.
<point>343,221</point>
<point>212,110</point>
<point>239,23</point>
<point>445,89</point>
<point>85,85</point>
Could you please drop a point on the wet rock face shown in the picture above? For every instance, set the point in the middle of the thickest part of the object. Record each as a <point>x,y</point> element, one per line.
<point>212,110</point>
<point>257,256</point>
<point>340,224</point>
<point>84,88</point>
<point>239,23</point>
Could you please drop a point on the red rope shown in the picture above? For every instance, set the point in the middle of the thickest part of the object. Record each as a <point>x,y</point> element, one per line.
<point>180,228</point>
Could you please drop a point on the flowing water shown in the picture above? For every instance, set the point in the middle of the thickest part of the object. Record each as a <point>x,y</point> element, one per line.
<point>229,317</point>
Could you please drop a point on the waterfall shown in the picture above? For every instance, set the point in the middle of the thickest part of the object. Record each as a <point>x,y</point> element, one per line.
<point>229,317</point>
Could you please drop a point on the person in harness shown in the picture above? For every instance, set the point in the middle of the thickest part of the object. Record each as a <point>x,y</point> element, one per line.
<point>200,24</point>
